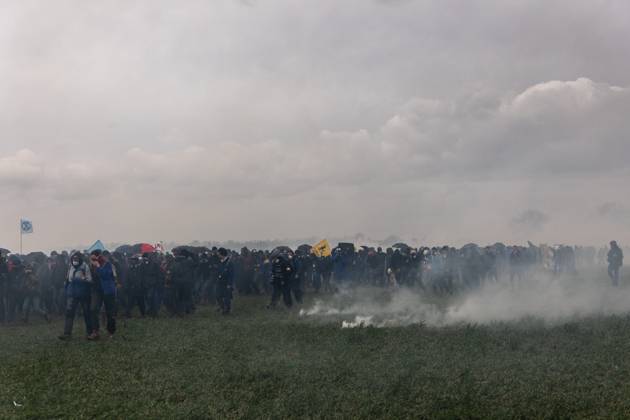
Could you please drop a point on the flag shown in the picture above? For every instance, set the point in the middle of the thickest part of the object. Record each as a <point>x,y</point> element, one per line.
<point>26,226</point>
<point>322,249</point>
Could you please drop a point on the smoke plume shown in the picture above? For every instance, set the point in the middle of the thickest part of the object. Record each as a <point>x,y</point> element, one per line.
<point>540,296</point>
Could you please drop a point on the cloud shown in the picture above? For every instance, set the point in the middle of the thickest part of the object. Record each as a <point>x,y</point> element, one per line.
<point>392,2</point>
<point>540,131</point>
<point>20,170</point>
<point>28,174</point>
<point>387,117</point>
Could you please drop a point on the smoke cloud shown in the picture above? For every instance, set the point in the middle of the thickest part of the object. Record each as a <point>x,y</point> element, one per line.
<point>530,220</point>
<point>540,297</point>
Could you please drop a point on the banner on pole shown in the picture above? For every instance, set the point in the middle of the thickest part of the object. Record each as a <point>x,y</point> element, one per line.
<point>26,226</point>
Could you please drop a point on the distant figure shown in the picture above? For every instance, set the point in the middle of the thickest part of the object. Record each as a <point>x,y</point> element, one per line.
<point>282,271</point>
<point>183,277</point>
<point>225,282</point>
<point>615,261</point>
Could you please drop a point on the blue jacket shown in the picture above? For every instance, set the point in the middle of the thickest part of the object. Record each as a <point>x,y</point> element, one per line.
<point>108,279</point>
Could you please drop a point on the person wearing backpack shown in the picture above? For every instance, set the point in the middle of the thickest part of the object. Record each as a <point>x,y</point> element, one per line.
<point>78,290</point>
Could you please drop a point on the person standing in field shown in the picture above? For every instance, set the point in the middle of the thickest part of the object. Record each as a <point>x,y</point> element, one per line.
<point>4,279</point>
<point>103,294</point>
<point>32,292</point>
<point>135,287</point>
<point>225,282</point>
<point>182,276</point>
<point>58,278</point>
<point>615,261</point>
<point>78,290</point>
<point>282,271</point>
<point>154,281</point>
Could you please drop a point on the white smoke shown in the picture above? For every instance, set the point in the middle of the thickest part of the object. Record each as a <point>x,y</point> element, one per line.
<point>542,297</point>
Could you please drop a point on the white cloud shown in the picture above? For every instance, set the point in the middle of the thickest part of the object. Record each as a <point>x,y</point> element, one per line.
<point>23,169</point>
<point>534,133</point>
<point>568,97</point>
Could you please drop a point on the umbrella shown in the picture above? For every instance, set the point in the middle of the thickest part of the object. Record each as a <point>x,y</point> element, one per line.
<point>15,259</point>
<point>305,248</point>
<point>346,246</point>
<point>404,248</point>
<point>196,250</point>
<point>35,257</point>
<point>124,249</point>
<point>281,250</point>
<point>146,248</point>
<point>141,248</point>
<point>4,251</point>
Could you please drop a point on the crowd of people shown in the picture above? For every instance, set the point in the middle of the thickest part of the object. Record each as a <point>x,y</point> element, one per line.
<point>103,283</point>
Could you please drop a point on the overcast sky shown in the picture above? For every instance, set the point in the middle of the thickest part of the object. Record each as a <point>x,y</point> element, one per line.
<point>447,121</point>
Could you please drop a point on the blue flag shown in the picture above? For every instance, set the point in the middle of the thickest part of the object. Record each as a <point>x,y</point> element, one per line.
<point>26,226</point>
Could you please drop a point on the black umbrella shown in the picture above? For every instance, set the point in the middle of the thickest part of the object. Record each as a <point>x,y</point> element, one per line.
<point>4,251</point>
<point>404,248</point>
<point>125,249</point>
<point>281,250</point>
<point>306,249</point>
<point>38,257</point>
<point>346,246</point>
<point>195,250</point>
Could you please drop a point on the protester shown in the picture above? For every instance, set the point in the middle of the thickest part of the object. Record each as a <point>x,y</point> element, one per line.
<point>197,275</point>
<point>4,280</point>
<point>225,282</point>
<point>103,294</point>
<point>154,283</point>
<point>135,287</point>
<point>32,295</point>
<point>182,275</point>
<point>78,292</point>
<point>615,261</point>
<point>282,272</point>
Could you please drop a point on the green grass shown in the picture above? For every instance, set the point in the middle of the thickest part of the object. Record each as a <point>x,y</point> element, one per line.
<point>260,364</point>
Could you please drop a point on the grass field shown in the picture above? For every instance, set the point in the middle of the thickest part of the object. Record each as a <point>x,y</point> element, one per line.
<point>261,364</point>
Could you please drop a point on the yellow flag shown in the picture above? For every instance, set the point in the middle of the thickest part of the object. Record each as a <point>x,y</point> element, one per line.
<point>322,249</point>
